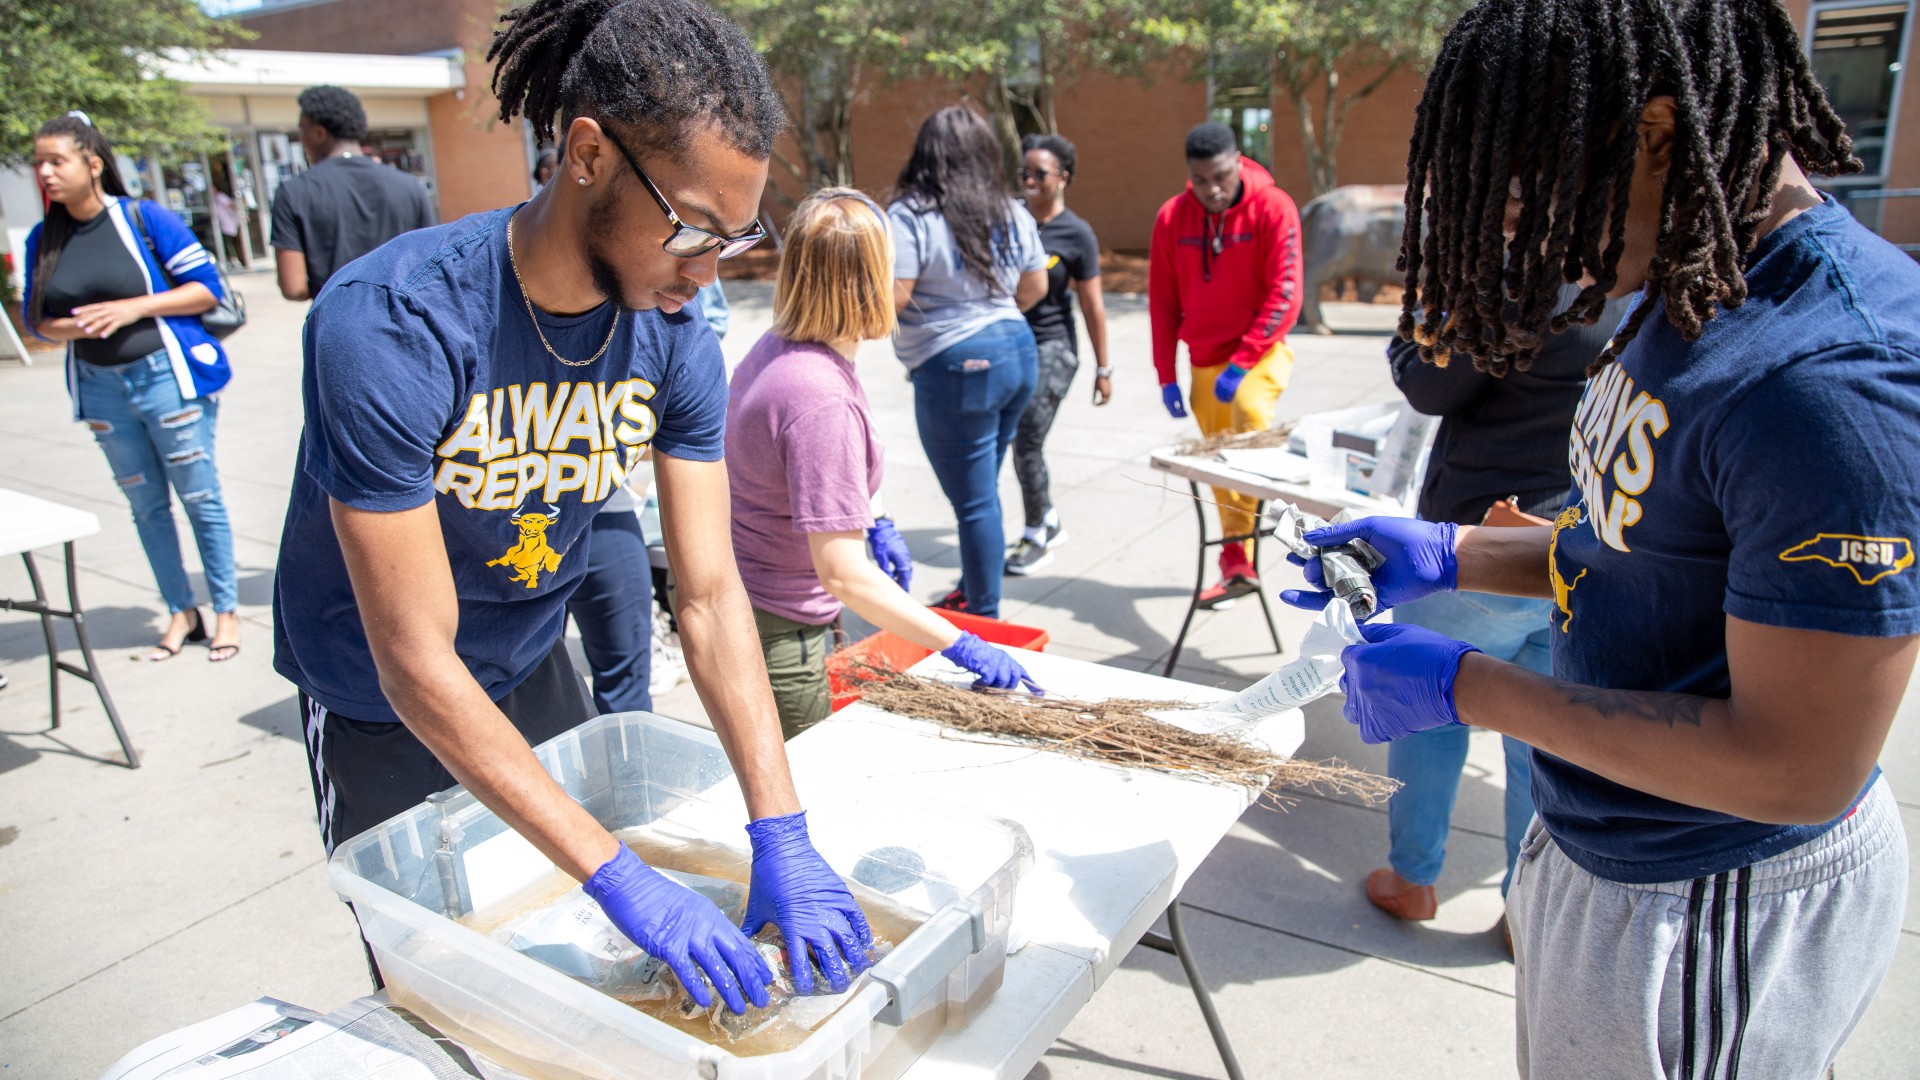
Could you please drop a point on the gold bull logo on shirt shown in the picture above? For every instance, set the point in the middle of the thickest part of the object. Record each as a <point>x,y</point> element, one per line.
<point>1562,588</point>
<point>532,554</point>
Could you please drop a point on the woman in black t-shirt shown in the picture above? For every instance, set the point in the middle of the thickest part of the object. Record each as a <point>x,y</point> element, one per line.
<point>1073,266</point>
<point>133,343</point>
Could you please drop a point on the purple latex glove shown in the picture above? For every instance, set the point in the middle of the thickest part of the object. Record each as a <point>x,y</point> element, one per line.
<point>890,552</point>
<point>683,929</point>
<point>1419,560</point>
<point>1228,384</point>
<point>1176,406</point>
<point>793,888</point>
<point>996,667</point>
<point>1401,681</point>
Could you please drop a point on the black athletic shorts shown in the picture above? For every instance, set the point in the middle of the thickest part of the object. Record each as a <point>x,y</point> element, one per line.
<point>365,772</point>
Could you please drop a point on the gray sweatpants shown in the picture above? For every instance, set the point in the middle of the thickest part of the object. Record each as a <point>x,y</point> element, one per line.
<point>1762,971</point>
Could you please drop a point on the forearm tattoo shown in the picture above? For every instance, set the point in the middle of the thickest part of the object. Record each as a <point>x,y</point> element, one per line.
<point>1653,707</point>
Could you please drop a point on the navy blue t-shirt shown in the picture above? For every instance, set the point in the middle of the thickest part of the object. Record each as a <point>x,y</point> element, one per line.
<point>1769,471</point>
<point>425,381</point>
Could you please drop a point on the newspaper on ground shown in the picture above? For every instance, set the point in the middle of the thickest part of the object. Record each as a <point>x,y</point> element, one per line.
<point>367,1039</point>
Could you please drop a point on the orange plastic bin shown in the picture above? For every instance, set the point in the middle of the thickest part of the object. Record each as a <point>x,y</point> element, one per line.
<point>888,650</point>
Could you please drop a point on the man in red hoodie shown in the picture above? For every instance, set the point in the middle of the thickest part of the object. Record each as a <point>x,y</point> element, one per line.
<point>1225,277</point>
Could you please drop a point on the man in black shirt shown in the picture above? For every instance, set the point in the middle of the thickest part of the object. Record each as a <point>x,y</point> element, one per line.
<point>345,204</point>
<point>1073,262</point>
<point>1499,439</point>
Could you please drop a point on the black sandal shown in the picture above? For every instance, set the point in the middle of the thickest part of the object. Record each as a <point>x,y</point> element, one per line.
<point>163,652</point>
<point>221,653</point>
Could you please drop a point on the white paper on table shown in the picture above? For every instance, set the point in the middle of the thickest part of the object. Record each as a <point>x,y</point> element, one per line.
<point>1272,462</point>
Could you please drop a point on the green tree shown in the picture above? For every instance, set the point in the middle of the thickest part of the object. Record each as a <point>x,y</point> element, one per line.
<point>1316,45</point>
<point>829,55</point>
<point>1016,54</point>
<point>103,57</point>
<point>1010,54</point>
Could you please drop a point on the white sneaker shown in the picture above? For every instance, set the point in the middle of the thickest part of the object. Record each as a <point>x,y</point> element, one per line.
<point>1029,555</point>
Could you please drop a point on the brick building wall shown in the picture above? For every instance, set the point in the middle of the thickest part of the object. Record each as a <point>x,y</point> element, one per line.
<point>1128,134</point>
<point>479,163</point>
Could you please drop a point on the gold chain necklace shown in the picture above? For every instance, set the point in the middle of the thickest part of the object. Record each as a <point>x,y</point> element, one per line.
<point>535,319</point>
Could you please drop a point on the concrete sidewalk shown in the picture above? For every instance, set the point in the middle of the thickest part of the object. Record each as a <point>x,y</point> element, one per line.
<point>137,902</point>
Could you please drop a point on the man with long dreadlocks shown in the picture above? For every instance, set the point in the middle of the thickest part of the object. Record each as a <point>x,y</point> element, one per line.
<point>473,392</point>
<point>1717,874</point>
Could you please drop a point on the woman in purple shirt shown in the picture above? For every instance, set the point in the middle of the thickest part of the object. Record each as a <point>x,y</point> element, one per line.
<point>805,467</point>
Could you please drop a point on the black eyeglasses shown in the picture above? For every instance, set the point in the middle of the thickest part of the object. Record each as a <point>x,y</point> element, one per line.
<point>1035,174</point>
<point>689,241</point>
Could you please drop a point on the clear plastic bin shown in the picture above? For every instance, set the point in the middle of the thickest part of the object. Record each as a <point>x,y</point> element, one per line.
<point>452,858</point>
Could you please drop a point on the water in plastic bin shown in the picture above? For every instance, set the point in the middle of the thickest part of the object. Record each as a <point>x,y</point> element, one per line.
<point>563,928</point>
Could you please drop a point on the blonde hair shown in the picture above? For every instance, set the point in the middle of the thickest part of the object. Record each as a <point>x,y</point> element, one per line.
<point>836,271</point>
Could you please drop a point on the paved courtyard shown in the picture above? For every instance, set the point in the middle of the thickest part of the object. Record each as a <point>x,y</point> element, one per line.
<point>132,903</point>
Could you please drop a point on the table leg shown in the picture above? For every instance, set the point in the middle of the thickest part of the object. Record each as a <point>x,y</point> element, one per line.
<point>1199,581</point>
<point>1200,575</point>
<point>92,673</point>
<point>46,627</point>
<point>1175,943</point>
<point>40,606</point>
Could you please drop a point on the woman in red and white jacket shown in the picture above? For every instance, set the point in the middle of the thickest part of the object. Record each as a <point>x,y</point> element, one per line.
<point>123,283</point>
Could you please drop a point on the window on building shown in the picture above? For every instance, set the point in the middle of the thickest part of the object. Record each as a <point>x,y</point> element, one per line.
<point>1240,96</point>
<point>1027,89</point>
<point>1856,51</point>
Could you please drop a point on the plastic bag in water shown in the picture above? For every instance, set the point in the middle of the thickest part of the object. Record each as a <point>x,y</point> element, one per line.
<point>573,936</point>
<point>786,1008</point>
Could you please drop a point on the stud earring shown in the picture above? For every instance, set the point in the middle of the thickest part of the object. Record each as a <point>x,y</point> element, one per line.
<point>583,180</point>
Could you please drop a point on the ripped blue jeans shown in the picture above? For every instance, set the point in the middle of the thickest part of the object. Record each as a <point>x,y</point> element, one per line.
<point>155,440</point>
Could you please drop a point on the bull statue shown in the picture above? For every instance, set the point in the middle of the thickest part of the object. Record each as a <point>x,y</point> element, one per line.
<point>1350,232</point>
<point>532,554</point>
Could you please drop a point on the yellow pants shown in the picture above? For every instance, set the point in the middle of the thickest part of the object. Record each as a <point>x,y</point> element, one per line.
<point>1250,410</point>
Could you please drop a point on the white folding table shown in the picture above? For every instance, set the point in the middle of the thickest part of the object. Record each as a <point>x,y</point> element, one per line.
<point>26,523</point>
<point>1113,848</point>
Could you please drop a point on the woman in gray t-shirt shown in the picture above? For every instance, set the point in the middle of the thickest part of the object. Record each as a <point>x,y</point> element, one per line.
<point>967,262</point>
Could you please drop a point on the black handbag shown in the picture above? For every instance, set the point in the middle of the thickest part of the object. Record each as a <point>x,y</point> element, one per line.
<point>222,319</point>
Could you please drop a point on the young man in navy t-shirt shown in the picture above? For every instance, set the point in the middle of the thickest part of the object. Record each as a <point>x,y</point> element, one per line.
<point>1716,878</point>
<point>473,392</point>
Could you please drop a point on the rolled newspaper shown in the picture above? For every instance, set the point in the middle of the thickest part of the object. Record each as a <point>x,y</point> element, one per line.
<point>1348,568</point>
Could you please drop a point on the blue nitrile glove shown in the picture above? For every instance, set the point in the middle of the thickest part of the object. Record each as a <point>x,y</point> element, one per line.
<point>676,925</point>
<point>890,552</point>
<point>1419,560</point>
<point>1176,406</point>
<point>794,889</point>
<point>996,667</point>
<point>1401,681</point>
<point>1228,384</point>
